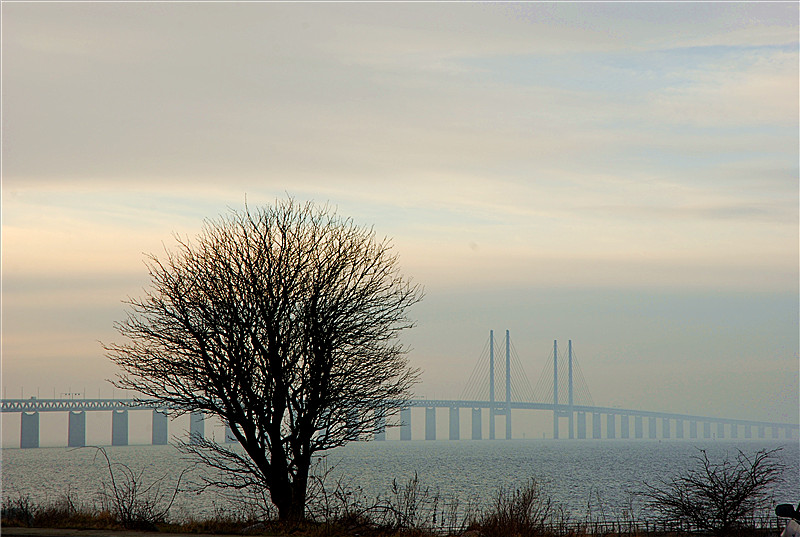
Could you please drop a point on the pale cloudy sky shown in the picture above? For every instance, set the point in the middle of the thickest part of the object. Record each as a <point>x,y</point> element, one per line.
<point>622,175</point>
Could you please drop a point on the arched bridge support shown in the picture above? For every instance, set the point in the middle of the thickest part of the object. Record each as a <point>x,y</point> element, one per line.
<point>581,425</point>
<point>119,427</point>
<point>477,425</point>
<point>160,429</point>
<point>230,438</point>
<point>405,424</point>
<point>197,427</point>
<point>430,423</point>
<point>455,424</point>
<point>76,432</point>
<point>29,430</point>
<point>380,426</point>
<point>624,426</point>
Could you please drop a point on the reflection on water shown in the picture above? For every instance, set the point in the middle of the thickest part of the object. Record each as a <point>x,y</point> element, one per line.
<point>580,475</point>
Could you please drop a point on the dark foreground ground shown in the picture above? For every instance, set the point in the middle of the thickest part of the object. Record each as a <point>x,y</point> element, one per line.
<point>58,532</point>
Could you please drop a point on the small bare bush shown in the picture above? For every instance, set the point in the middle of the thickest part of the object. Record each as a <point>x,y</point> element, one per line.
<point>718,497</point>
<point>133,501</point>
<point>17,511</point>
<point>522,512</point>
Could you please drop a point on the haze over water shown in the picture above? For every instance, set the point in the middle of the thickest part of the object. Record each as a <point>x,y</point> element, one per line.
<point>582,476</point>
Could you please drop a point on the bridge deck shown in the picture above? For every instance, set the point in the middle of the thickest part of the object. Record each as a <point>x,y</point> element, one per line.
<point>82,405</point>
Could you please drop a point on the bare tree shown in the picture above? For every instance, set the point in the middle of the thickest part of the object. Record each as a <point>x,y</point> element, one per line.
<point>283,322</point>
<point>717,497</point>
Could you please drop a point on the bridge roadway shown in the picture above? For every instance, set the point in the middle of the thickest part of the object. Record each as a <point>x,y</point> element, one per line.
<point>30,409</point>
<point>81,405</point>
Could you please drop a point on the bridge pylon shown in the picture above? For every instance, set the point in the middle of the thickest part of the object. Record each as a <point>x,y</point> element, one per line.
<point>499,408</point>
<point>561,410</point>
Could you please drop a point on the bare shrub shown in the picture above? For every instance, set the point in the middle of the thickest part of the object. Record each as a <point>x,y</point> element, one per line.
<point>526,511</point>
<point>17,511</point>
<point>716,496</point>
<point>133,501</point>
<point>408,507</point>
<point>64,512</point>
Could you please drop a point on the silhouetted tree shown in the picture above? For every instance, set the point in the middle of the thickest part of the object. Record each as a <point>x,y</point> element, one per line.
<point>282,322</point>
<point>717,497</point>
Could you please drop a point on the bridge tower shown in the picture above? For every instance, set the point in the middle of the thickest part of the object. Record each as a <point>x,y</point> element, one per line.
<point>508,386</point>
<point>555,389</point>
<point>491,385</point>
<point>561,410</point>
<point>571,401</point>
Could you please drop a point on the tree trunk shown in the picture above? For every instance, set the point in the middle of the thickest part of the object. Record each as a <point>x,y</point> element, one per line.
<point>299,488</point>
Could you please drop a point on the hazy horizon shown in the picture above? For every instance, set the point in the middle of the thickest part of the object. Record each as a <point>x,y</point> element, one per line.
<point>621,175</point>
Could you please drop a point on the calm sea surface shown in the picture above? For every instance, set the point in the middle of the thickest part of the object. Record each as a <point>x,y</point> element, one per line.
<point>579,475</point>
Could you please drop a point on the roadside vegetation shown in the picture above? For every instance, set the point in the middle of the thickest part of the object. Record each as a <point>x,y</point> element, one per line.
<point>130,500</point>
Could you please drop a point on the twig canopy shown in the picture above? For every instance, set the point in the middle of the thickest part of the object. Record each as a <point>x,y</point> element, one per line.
<point>717,496</point>
<point>283,322</point>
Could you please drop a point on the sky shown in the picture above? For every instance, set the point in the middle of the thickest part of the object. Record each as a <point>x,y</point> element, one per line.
<point>621,175</point>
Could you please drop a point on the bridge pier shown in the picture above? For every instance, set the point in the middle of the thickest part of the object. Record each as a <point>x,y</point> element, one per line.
<point>651,424</point>
<point>734,430</point>
<point>706,429</point>
<point>774,432</point>
<point>637,427</point>
<point>679,429</point>
<point>430,423</point>
<point>230,438</point>
<point>692,429</point>
<point>748,431</point>
<point>160,431</point>
<point>380,426</point>
<point>611,426</point>
<point>581,425</point>
<point>624,425</point>
<point>596,425</point>
<point>197,427</point>
<point>477,426</point>
<point>665,432</point>
<point>571,424</point>
<point>29,430</point>
<point>720,430</point>
<point>761,431</point>
<point>455,424</point>
<point>76,431</point>
<point>405,424</point>
<point>119,427</point>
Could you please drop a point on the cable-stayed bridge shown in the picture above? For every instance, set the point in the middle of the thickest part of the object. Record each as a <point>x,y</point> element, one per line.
<point>497,387</point>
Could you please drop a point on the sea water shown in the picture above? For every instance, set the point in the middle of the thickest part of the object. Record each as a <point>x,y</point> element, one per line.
<point>582,476</point>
